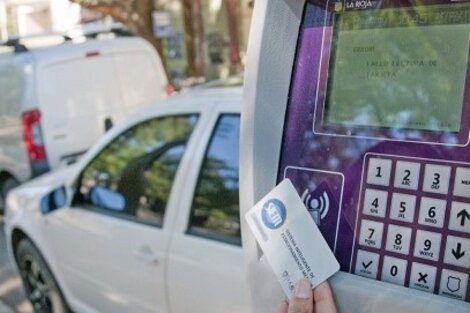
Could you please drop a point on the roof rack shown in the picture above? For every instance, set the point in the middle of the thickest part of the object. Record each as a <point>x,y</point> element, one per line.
<point>17,43</point>
<point>19,47</point>
<point>118,31</point>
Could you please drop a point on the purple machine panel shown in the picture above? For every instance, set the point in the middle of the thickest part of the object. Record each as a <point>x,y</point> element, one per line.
<point>385,171</point>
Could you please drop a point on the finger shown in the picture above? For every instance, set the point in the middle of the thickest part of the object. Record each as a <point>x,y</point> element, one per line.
<point>283,307</point>
<point>302,299</point>
<point>323,299</point>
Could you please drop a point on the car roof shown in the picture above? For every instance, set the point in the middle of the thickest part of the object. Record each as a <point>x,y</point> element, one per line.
<point>198,99</point>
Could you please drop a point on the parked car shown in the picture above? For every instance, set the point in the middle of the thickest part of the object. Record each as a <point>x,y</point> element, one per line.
<point>147,221</point>
<point>55,102</point>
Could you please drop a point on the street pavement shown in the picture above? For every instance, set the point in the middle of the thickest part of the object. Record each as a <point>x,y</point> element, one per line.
<point>12,297</point>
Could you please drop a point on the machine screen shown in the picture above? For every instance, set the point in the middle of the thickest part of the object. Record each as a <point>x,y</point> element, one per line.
<point>385,169</point>
<point>399,68</point>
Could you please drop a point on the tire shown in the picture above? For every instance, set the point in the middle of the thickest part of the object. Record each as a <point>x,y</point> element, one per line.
<point>5,187</point>
<point>41,288</point>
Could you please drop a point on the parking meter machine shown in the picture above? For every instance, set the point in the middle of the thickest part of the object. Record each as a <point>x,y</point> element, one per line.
<point>365,107</point>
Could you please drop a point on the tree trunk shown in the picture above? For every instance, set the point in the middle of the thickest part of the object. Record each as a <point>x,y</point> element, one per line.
<point>189,37</point>
<point>233,33</point>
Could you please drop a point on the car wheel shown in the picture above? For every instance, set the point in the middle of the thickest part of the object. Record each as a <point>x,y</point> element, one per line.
<point>41,288</point>
<point>7,185</point>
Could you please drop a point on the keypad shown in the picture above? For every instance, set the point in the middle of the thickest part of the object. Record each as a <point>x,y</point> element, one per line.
<point>414,224</point>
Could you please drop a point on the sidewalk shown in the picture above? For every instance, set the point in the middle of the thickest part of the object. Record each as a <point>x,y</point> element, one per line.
<point>4,308</point>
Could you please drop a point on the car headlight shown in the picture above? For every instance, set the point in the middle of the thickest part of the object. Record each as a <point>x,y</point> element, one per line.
<point>12,206</point>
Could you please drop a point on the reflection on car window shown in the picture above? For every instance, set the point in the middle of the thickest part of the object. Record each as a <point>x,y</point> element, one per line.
<point>215,211</point>
<point>133,175</point>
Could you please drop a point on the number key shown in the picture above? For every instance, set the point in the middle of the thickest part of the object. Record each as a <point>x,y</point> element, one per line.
<point>428,245</point>
<point>398,239</point>
<point>403,207</point>
<point>394,270</point>
<point>378,172</point>
<point>371,234</point>
<point>432,212</point>
<point>375,202</point>
<point>436,178</point>
<point>407,175</point>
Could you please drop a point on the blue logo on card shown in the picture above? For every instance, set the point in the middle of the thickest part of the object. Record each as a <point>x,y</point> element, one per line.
<point>273,214</point>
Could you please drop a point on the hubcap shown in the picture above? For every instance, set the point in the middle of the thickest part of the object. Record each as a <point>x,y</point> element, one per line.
<point>39,291</point>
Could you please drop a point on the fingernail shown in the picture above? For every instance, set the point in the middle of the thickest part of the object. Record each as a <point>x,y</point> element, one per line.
<point>303,289</point>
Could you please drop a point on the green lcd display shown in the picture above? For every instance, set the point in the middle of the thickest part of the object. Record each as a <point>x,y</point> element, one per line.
<point>399,68</point>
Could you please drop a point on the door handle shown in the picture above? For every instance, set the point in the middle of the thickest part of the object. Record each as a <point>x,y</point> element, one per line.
<point>145,254</point>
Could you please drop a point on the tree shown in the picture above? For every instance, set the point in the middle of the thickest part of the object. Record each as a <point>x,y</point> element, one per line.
<point>134,14</point>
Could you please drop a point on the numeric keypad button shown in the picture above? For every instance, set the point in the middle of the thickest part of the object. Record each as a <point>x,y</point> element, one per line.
<point>398,239</point>
<point>457,251</point>
<point>462,182</point>
<point>371,234</point>
<point>407,175</point>
<point>375,202</point>
<point>432,212</point>
<point>460,217</point>
<point>453,284</point>
<point>394,270</point>
<point>367,264</point>
<point>427,245</point>
<point>403,207</point>
<point>378,172</point>
<point>423,277</point>
<point>436,178</point>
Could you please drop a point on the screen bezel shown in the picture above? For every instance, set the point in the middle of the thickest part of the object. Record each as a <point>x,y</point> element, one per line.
<point>321,126</point>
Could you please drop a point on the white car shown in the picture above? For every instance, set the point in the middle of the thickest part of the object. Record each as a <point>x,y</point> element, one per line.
<point>147,221</point>
<point>56,101</point>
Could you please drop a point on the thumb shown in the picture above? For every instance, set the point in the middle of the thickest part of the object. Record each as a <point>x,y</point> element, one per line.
<point>302,299</point>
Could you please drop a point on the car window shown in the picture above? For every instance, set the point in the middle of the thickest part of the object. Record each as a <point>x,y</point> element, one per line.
<point>215,208</point>
<point>133,175</point>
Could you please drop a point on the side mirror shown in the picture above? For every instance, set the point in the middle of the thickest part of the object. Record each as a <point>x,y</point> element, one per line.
<point>107,198</point>
<point>54,200</point>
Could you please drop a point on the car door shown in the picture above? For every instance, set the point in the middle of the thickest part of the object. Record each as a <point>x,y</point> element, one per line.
<point>205,265</point>
<point>113,242</point>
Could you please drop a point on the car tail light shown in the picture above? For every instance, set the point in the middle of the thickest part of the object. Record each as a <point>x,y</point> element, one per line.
<point>91,54</point>
<point>33,136</point>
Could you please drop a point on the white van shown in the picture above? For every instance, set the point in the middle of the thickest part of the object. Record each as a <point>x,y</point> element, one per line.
<point>55,102</point>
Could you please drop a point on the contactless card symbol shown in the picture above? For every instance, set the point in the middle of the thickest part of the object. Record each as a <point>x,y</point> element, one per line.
<point>319,202</point>
<point>273,214</point>
<point>453,283</point>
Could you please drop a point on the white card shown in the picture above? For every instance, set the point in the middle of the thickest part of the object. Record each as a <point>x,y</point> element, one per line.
<point>290,239</point>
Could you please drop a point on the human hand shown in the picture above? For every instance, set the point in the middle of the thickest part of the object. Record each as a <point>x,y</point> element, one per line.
<point>306,300</point>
